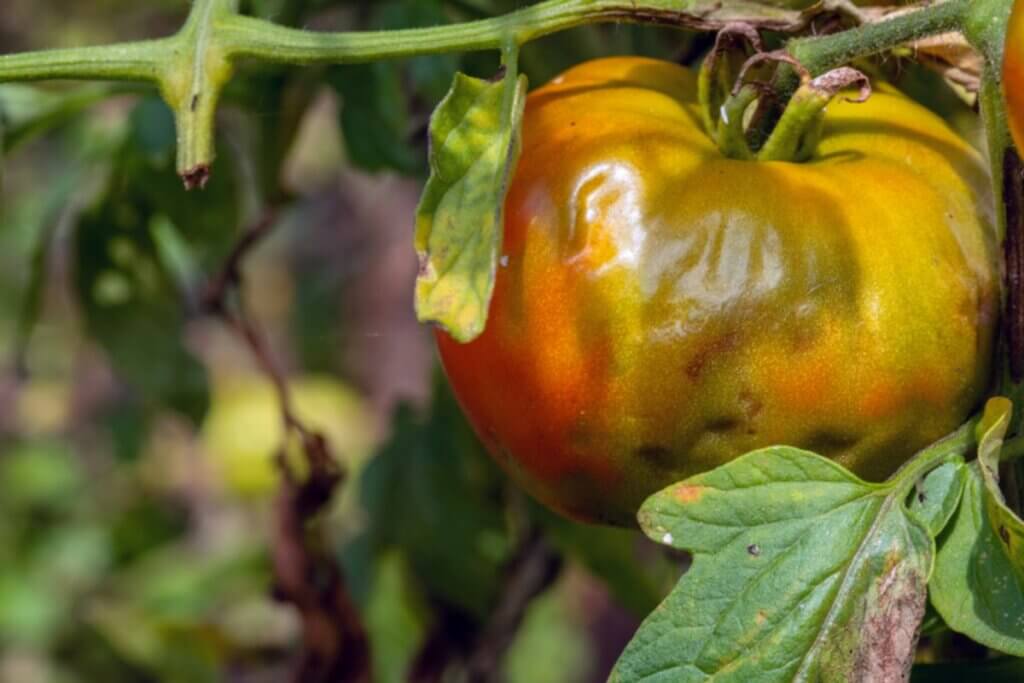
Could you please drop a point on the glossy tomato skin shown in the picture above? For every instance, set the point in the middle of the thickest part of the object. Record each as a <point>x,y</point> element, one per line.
<point>1013,73</point>
<point>661,309</point>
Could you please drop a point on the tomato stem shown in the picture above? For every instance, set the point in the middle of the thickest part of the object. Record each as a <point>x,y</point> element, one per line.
<point>191,68</point>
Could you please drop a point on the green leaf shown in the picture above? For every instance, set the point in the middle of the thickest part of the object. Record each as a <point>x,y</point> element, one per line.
<point>396,618</point>
<point>936,498</point>
<point>374,117</point>
<point>977,586</point>
<point>1008,526</point>
<point>802,572</point>
<point>27,111</point>
<point>474,136</point>
<point>974,587</point>
<point>434,494</point>
<point>132,301</point>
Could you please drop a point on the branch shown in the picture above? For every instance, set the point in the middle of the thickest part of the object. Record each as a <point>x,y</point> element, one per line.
<point>532,569</point>
<point>335,646</point>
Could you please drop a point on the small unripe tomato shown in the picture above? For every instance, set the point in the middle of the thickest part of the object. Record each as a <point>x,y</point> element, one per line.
<point>243,432</point>
<point>1013,73</point>
<point>661,309</point>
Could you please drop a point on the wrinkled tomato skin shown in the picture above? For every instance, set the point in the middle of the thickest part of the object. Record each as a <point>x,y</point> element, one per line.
<point>661,309</point>
<point>1013,73</point>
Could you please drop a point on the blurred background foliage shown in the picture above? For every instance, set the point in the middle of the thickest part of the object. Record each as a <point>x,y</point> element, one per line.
<point>137,435</point>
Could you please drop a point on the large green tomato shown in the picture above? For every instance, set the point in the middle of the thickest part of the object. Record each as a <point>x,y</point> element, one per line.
<point>661,309</point>
<point>1013,73</point>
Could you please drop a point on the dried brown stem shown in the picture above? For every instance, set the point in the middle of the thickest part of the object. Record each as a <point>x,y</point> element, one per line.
<point>335,646</point>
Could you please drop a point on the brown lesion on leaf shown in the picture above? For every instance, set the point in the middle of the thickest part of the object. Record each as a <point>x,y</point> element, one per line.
<point>888,637</point>
<point>1004,534</point>
<point>687,493</point>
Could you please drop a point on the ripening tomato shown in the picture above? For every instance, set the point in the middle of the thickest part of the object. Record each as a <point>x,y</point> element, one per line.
<point>1013,73</point>
<point>661,309</point>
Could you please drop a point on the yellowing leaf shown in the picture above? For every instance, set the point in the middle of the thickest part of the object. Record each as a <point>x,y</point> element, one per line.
<point>474,137</point>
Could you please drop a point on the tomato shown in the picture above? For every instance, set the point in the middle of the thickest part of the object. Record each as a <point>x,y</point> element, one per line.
<point>661,309</point>
<point>1013,73</point>
<point>242,432</point>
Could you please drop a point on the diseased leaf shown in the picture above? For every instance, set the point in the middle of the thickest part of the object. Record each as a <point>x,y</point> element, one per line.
<point>474,137</point>
<point>935,500</point>
<point>802,572</point>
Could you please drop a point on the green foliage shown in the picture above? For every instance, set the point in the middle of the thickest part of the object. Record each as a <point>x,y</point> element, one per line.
<point>434,494</point>
<point>474,148</point>
<point>374,117</point>
<point>801,572</point>
<point>132,265</point>
<point>977,586</point>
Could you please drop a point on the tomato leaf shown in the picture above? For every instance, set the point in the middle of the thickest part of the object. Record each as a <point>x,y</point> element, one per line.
<point>432,493</point>
<point>937,497</point>
<point>374,117</point>
<point>1008,526</point>
<point>801,572</point>
<point>132,301</point>
<point>474,136</point>
<point>978,586</point>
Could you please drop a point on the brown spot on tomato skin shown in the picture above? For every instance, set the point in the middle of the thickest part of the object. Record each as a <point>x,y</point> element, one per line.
<point>707,355</point>
<point>656,456</point>
<point>687,493</point>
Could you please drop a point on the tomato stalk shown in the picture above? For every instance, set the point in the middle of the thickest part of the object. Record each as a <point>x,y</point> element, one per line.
<point>798,131</point>
<point>191,67</point>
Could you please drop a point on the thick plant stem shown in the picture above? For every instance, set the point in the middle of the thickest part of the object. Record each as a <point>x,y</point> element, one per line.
<point>139,61</point>
<point>192,67</point>
<point>820,54</point>
<point>253,38</point>
<point>191,84</point>
<point>823,53</point>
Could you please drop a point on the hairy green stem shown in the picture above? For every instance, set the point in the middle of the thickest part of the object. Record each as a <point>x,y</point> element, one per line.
<point>192,67</point>
<point>138,61</point>
<point>819,54</point>
<point>823,53</point>
<point>959,443</point>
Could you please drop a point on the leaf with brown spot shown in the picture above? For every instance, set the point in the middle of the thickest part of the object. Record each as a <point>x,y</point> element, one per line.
<point>801,572</point>
<point>686,494</point>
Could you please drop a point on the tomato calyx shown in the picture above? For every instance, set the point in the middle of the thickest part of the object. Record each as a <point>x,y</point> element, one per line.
<point>732,98</point>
